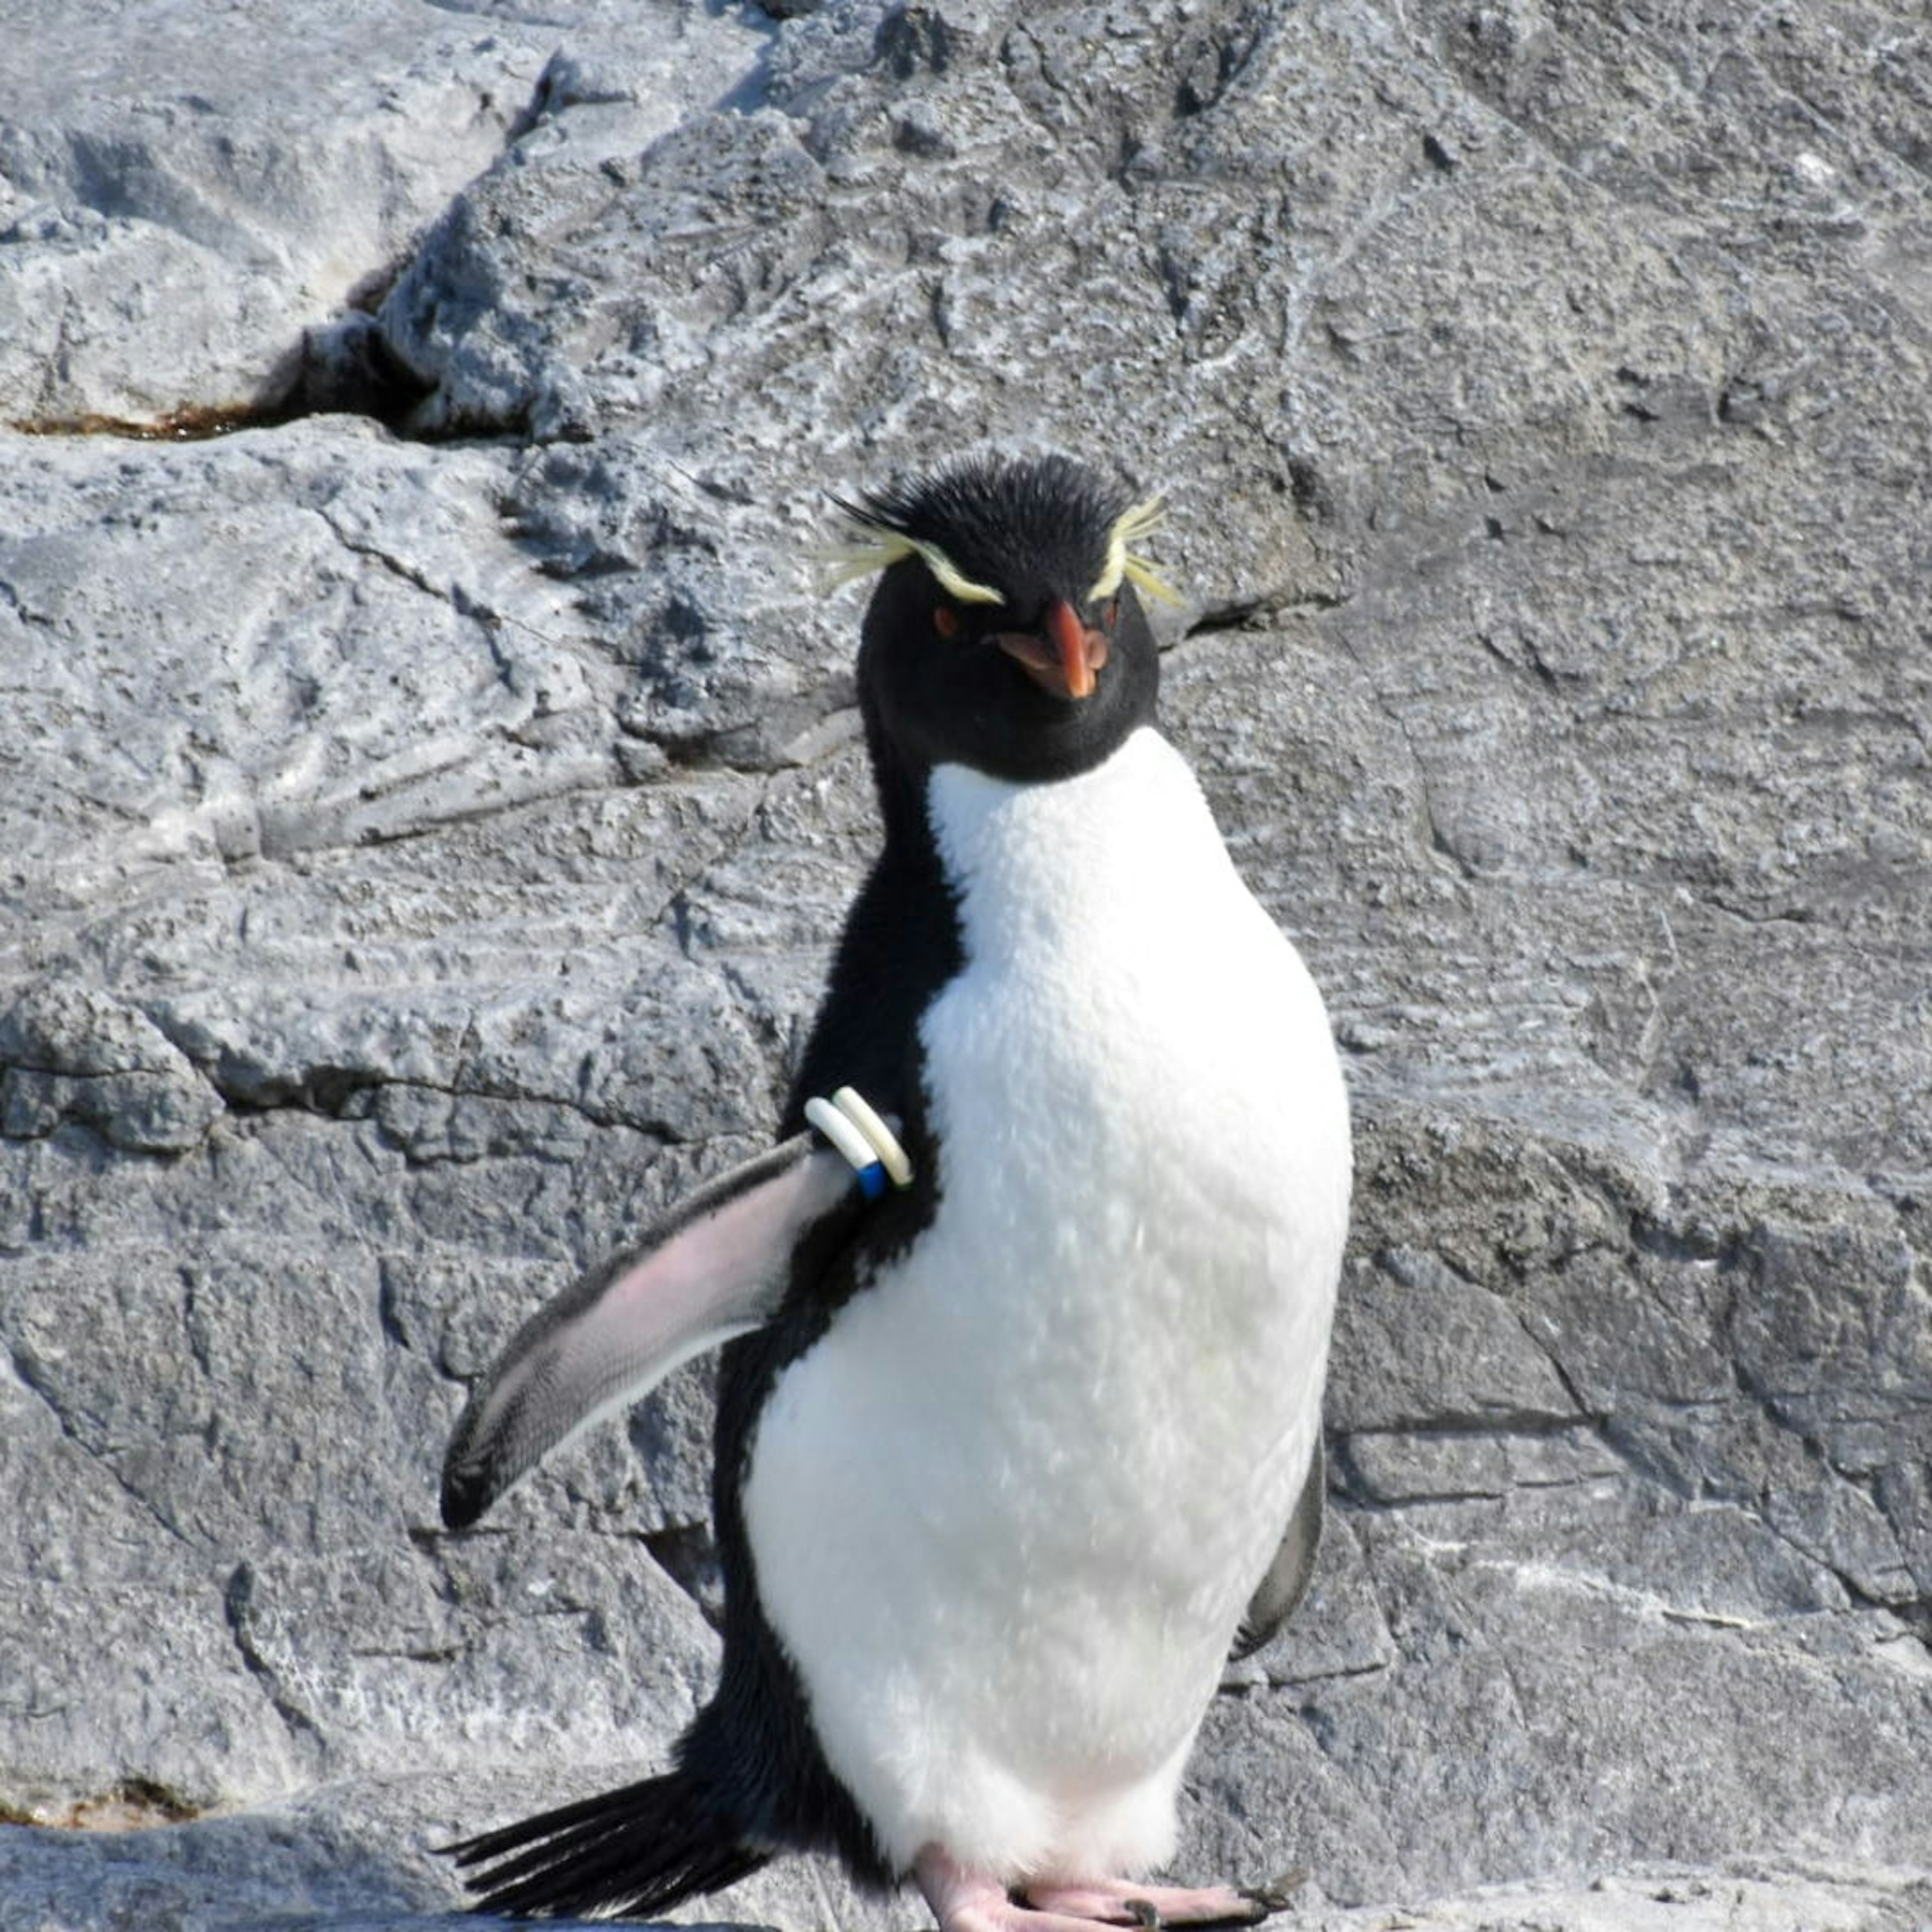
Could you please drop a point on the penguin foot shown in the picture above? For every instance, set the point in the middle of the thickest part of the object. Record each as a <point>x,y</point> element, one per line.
<point>1119,1902</point>
<point>966,1902</point>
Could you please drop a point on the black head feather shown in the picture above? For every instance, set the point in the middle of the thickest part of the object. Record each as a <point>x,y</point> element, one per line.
<point>978,553</point>
<point>1030,528</point>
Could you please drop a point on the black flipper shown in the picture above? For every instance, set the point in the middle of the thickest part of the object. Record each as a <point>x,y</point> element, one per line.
<point>1286,1581</point>
<point>635,1852</point>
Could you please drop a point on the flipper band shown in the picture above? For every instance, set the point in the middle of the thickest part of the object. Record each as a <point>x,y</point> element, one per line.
<point>849,1122</point>
<point>884,1142</point>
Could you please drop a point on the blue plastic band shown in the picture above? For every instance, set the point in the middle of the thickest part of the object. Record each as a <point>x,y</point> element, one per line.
<point>872,1180</point>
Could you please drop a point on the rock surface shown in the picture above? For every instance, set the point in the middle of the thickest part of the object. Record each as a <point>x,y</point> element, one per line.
<point>424,822</point>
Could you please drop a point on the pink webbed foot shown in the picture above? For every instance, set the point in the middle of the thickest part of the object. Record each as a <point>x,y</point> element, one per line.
<point>1121,1902</point>
<point>967,1901</point>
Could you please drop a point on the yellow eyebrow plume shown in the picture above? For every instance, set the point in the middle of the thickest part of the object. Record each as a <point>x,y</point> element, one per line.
<point>1142,520</point>
<point>879,547</point>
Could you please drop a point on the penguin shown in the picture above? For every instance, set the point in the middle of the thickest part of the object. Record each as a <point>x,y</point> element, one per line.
<point>1024,1328</point>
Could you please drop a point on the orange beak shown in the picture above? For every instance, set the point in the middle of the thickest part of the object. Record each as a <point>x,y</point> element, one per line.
<point>1066,659</point>
<point>1068,637</point>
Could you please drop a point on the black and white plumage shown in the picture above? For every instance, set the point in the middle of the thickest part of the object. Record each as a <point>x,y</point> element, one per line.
<point>1003,1460</point>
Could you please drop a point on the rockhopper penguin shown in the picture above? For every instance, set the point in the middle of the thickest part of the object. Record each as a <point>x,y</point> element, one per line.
<point>1013,1409</point>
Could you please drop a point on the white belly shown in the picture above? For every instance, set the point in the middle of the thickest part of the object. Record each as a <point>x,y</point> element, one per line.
<point>1007,1513</point>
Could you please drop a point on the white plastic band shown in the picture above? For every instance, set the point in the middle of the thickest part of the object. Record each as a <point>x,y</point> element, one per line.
<point>883,1142</point>
<point>841,1133</point>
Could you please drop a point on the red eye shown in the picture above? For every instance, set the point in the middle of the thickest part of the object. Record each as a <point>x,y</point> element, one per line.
<point>1110,614</point>
<point>946,620</point>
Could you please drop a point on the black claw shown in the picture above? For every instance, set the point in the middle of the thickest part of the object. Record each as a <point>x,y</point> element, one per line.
<point>1273,1896</point>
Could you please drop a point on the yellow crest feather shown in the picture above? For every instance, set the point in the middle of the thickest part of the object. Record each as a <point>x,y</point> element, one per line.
<point>1140,519</point>
<point>877,546</point>
<point>842,564</point>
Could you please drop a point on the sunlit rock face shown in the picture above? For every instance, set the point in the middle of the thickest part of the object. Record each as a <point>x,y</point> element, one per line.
<point>427,807</point>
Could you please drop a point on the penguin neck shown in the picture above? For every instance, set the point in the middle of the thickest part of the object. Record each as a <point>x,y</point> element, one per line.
<point>1129,841</point>
<point>901,786</point>
<point>899,945</point>
<point>973,864</point>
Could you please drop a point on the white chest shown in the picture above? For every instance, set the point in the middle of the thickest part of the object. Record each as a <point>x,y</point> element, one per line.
<point>1005,1514</point>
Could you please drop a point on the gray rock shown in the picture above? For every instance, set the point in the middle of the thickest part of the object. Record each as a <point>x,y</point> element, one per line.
<point>1662,1900</point>
<point>420,857</point>
<point>72,1052</point>
<point>182,198</point>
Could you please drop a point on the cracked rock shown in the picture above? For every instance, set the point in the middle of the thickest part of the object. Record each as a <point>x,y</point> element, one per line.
<point>71,1051</point>
<point>421,839</point>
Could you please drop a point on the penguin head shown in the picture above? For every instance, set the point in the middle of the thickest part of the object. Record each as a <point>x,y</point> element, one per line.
<point>1005,633</point>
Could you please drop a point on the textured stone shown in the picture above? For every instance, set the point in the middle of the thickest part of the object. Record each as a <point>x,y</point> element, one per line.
<point>71,1051</point>
<point>420,855</point>
<point>183,195</point>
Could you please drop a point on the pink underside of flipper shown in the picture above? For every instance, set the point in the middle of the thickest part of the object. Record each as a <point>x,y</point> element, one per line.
<point>965,1901</point>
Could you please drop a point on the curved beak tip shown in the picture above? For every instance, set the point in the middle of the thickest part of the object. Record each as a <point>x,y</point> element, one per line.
<point>1072,645</point>
<point>1063,656</point>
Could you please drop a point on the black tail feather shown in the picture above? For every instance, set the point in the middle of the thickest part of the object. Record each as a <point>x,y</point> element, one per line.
<point>635,1851</point>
